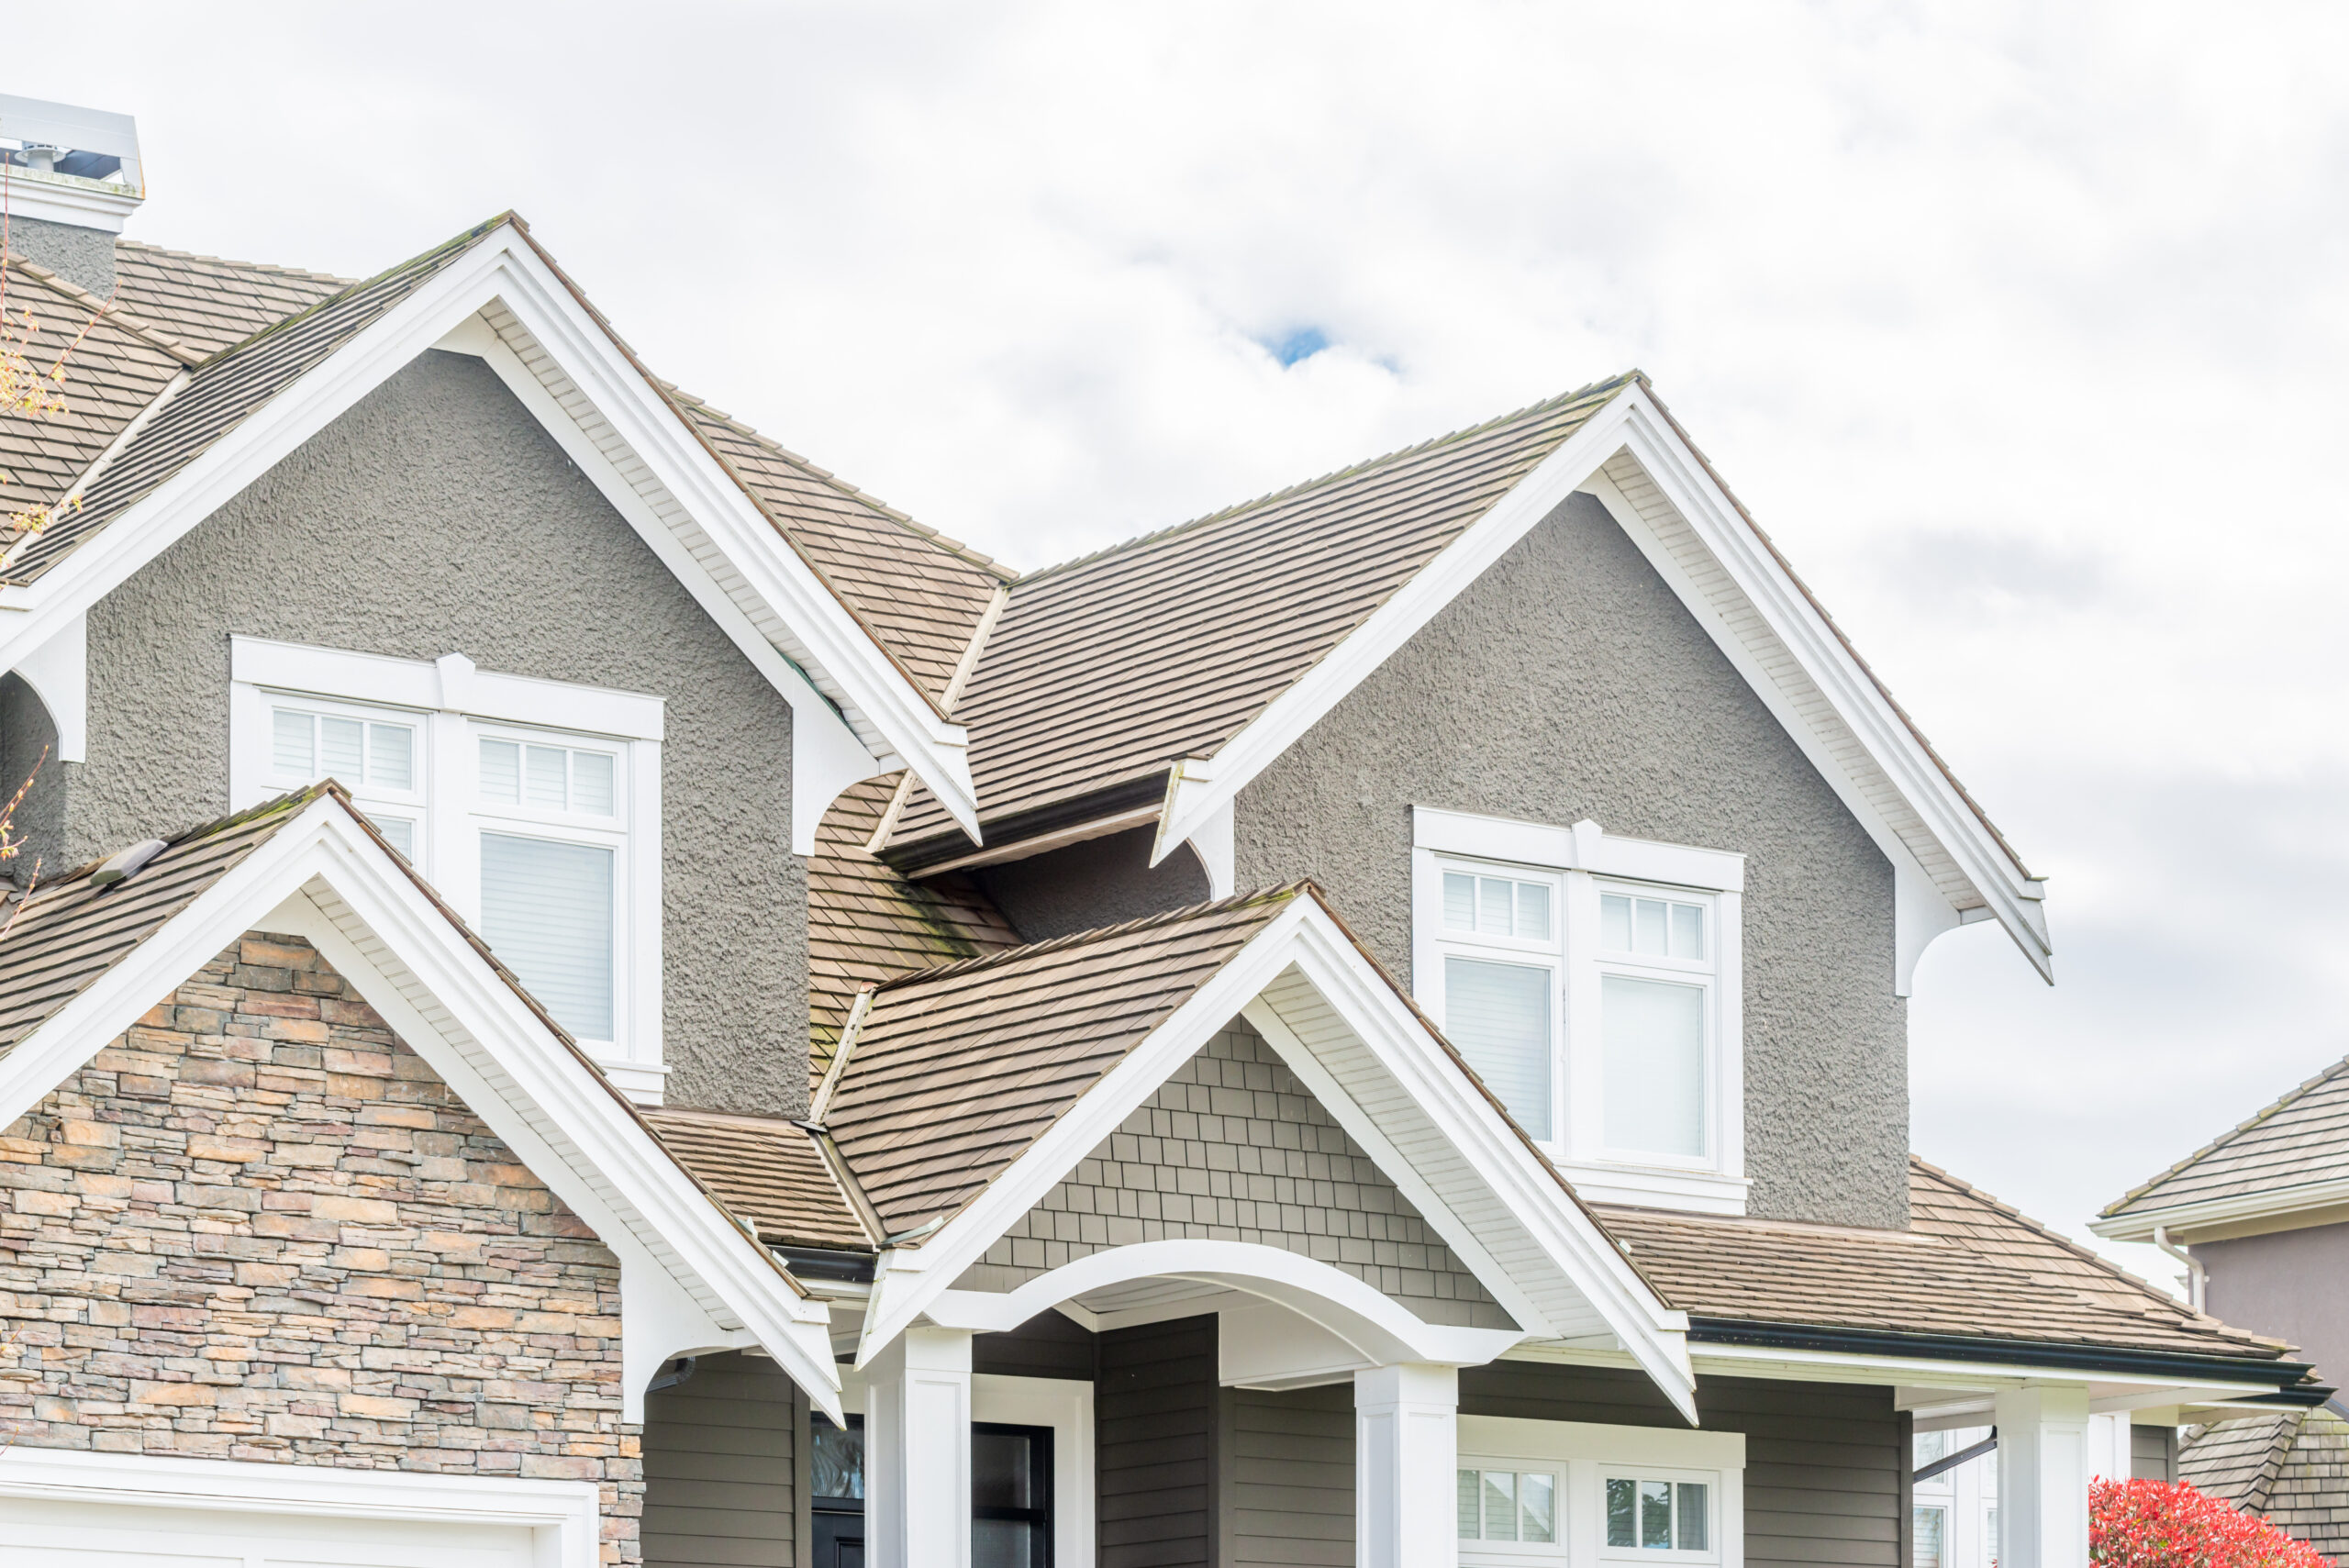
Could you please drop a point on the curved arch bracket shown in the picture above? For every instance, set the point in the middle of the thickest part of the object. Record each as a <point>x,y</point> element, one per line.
<point>1383,1330</point>
<point>58,672</point>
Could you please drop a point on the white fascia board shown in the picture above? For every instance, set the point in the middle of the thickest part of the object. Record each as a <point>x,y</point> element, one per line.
<point>1304,939</point>
<point>329,879</point>
<point>1631,422</point>
<point>505,269</point>
<point>2140,1225</point>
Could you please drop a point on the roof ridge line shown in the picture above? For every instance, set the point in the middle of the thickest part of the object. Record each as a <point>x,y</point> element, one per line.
<point>1611,385</point>
<point>960,966</point>
<point>815,471</point>
<point>271,268</point>
<point>2306,1088</point>
<point>103,309</point>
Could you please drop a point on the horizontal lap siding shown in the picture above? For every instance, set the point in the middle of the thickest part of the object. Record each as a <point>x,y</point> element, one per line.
<point>1155,1437</point>
<point>1825,1463</point>
<point>1290,1477</point>
<point>719,1469</point>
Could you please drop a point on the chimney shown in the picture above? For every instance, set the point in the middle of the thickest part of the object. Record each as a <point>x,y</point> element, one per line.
<point>71,176</point>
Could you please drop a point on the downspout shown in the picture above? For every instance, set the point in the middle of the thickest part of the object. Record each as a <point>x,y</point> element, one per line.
<point>2197,1277</point>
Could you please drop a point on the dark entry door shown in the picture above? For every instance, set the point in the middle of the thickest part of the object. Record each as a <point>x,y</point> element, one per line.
<point>836,1484</point>
<point>1011,1494</point>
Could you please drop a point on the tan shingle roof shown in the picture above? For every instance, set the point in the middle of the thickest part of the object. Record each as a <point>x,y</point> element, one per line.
<point>117,369</point>
<point>1107,670</point>
<point>866,924</point>
<point>957,1071</point>
<point>69,933</point>
<point>766,1171</point>
<point>208,304</point>
<point>2302,1140</point>
<point>1968,1266</point>
<point>2291,1468</point>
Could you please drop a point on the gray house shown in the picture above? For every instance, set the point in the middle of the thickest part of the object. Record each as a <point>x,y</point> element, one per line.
<point>595,995</point>
<point>2260,1217</point>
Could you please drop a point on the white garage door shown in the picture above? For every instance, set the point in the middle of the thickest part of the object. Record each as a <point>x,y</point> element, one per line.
<point>91,1535</point>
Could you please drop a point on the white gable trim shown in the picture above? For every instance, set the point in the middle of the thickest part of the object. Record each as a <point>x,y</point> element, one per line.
<point>742,557</point>
<point>691,1278</point>
<point>1949,866</point>
<point>1339,1025</point>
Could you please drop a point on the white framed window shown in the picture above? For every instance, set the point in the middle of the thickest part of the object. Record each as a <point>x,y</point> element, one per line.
<point>1929,1536</point>
<point>1537,1492</point>
<point>532,806</point>
<point>1593,982</point>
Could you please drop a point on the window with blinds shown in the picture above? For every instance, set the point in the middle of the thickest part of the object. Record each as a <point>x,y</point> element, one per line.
<point>1502,953</point>
<point>547,814</point>
<point>376,754</point>
<point>1655,974</point>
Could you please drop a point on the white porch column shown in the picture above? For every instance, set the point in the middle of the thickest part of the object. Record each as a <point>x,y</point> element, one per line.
<point>2043,1477</point>
<point>1406,1452</point>
<point>918,1450</point>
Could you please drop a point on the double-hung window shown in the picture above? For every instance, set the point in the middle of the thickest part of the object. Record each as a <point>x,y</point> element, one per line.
<point>532,806</point>
<point>1592,982</point>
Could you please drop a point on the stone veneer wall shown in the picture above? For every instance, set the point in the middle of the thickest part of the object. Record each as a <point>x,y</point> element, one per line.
<point>1233,1147</point>
<point>259,1227</point>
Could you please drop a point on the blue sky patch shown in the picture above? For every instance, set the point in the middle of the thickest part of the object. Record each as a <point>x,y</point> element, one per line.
<point>1302,343</point>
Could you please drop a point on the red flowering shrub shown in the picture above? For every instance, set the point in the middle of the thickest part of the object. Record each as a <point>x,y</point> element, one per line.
<point>2162,1524</point>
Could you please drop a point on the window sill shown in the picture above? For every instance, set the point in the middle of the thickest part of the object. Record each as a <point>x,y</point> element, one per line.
<point>1648,1186</point>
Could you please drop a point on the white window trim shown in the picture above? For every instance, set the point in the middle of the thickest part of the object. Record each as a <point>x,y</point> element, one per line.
<point>1586,1454</point>
<point>563,1516</point>
<point>453,701</point>
<point>1585,858</point>
<point>1065,1405</point>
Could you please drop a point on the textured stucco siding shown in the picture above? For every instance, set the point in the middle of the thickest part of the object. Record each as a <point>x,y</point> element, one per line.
<point>81,256</point>
<point>437,516</point>
<point>2293,1285</point>
<point>1233,1147</point>
<point>1569,682</point>
<point>1093,883</point>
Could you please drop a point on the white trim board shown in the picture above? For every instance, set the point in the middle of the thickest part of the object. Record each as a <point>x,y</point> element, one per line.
<point>691,1278</point>
<point>1359,1047</point>
<point>684,504</point>
<point>1949,866</point>
<point>563,1516</point>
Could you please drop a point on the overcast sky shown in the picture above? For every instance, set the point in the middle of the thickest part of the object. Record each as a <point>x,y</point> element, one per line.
<point>2020,328</point>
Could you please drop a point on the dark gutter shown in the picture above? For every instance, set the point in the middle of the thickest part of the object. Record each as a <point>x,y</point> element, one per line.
<point>1008,832</point>
<point>823,1264</point>
<point>2010,1352</point>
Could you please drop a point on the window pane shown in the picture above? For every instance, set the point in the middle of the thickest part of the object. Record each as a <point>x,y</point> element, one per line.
<point>836,1464</point>
<point>546,910</point>
<point>1002,1543</point>
<point>1468,1506</point>
<point>391,765</point>
<point>1930,1446</point>
<point>1538,1495</point>
<point>1655,1514</point>
<point>289,745</point>
<point>501,772</point>
<point>342,750</point>
<point>1533,911</point>
<point>1647,926</point>
<point>591,782</point>
<point>1694,1516</point>
<point>1492,906</point>
<point>400,831</point>
<point>1687,931</point>
<point>1001,1464</point>
<point>1499,1015</point>
<point>1653,1035</point>
<point>1621,1528</point>
<point>1614,922</point>
<point>1929,1528</point>
<point>543,777</point>
<point>1459,901</point>
<point>1500,1505</point>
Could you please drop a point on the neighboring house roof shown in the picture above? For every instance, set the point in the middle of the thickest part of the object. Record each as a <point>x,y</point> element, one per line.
<point>2293,1155</point>
<point>2291,1468</point>
<point>867,924</point>
<point>1967,1267</point>
<point>957,1071</point>
<point>768,1172</point>
<point>1109,669</point>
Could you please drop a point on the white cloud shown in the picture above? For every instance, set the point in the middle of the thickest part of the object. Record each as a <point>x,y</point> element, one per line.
<point>2019,327</point>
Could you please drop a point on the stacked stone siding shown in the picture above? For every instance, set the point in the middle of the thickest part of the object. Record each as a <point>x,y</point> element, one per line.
<point>259,1227</point>
<point>1233,1147</point>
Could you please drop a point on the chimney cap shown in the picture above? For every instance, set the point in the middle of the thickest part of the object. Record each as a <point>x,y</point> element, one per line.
<point>70,164</point>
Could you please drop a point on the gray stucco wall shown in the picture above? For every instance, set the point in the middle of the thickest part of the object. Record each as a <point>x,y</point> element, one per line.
<point>437,516</point>
<point>1567,682</point>
<point>1093,883</point>
<point>80,256</point>
<point>2293,1285</point>
<point>1232,1148</point>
